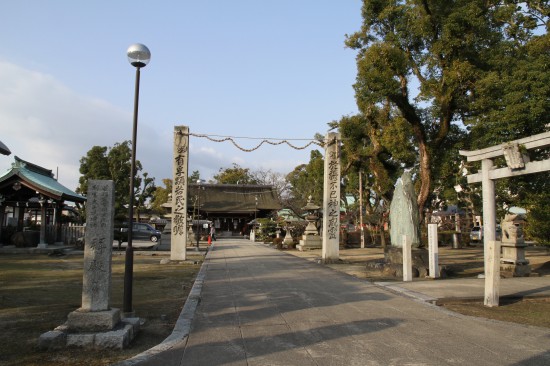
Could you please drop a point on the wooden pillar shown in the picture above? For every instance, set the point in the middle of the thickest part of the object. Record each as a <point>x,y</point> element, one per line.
<point>20,216</point>
<point>2,210</point>
<point>42,243</point>
<point>57,213</point>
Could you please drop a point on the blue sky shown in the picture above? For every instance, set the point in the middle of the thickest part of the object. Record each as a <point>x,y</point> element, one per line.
<point>233,68</point>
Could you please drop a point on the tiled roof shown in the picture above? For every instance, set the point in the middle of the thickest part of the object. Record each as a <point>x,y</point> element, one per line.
<point>42,179</point>
<point>236,198</point>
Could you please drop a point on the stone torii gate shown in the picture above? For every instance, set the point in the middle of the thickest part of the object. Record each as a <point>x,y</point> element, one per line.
<point>517,164</point>
<point>331,196</point>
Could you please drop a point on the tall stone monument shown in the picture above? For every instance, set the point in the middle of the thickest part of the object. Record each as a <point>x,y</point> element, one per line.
<point>331,199</point>
<point>96,313</point>
<point>180,165</point>
<point>404,215</point>
<point>405,222</point>
<point>95,323</point>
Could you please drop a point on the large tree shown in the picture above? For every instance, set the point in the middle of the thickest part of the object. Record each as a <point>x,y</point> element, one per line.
<point>160,197</point>
<point>235,175</point>
<point>307,180</point>
<point>421,59</point>
<point>114,164</point>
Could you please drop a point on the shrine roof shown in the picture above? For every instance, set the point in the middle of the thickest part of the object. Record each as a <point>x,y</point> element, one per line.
<point>39,179</point>
<point>236,198</point>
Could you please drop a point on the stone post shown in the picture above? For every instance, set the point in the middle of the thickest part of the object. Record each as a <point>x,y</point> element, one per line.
<point>331,199</point>
<point>433,251</point>
<point>407,259</point>
<point>95,314</point>
<point>179,193</point>
<point>95,324</point>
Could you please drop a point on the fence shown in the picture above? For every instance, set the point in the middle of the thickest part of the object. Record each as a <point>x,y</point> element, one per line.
<point>70,235</point>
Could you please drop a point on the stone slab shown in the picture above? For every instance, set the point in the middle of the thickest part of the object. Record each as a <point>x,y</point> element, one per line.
<point>85,340</point>
<point>52,340</point>
<point>115,339</point>
<point>310,242</point>
<point>93,321</point>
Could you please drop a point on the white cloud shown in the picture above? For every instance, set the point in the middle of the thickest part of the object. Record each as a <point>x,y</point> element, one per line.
<point>46,123</point>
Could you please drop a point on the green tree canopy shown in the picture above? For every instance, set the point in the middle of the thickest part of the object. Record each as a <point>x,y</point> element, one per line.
<point>114,164</point>
<point>306,180</point>
<point>435,64</point>
<point>235,175</point>
<point>160,196</point>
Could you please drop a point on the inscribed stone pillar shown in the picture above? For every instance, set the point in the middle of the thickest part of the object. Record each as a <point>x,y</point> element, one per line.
<point>96,286</point>
<point>331,199</point>
<point>179,193</point>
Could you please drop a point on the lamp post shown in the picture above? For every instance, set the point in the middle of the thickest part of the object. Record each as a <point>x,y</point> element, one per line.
<point>138,56</point>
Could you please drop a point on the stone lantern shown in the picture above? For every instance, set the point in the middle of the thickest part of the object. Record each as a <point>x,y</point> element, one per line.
<point>288,240</point>
<point>513,262</point>
<point>311,238</point>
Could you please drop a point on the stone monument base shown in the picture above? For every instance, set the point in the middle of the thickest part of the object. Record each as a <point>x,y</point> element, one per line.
<point>93,321</point>
<point>513,262</point>
<point>92,329</point>
<point>508,270</point>
<point>394,261</point>
<point>309,242</point>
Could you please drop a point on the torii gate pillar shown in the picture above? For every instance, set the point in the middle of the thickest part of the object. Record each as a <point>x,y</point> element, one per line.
<point>517,164</point>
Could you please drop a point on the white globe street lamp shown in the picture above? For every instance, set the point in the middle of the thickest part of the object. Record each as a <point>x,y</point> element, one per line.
<point>138,56</point>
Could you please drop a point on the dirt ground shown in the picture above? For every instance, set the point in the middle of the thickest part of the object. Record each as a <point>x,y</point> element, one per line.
<point>38,291</point>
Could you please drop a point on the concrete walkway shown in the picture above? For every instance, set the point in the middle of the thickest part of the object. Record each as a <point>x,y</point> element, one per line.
<point>253,305</point>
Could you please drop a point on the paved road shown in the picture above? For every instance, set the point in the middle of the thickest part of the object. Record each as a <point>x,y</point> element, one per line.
<point>259,306</point>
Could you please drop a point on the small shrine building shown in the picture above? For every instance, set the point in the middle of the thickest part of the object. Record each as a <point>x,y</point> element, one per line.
<point>30,197</point>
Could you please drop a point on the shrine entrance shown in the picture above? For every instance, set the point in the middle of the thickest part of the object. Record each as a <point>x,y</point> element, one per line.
<point>180,191</point>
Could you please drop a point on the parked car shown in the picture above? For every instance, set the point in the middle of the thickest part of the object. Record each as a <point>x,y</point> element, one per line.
<point>140,232</point>
<point>476,234</point>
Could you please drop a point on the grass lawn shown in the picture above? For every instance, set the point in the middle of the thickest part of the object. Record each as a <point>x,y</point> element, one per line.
<point>37,292</point>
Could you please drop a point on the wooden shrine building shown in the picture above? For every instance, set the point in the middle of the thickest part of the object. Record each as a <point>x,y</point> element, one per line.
<point>231,207</point>
<point>31,200</point>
